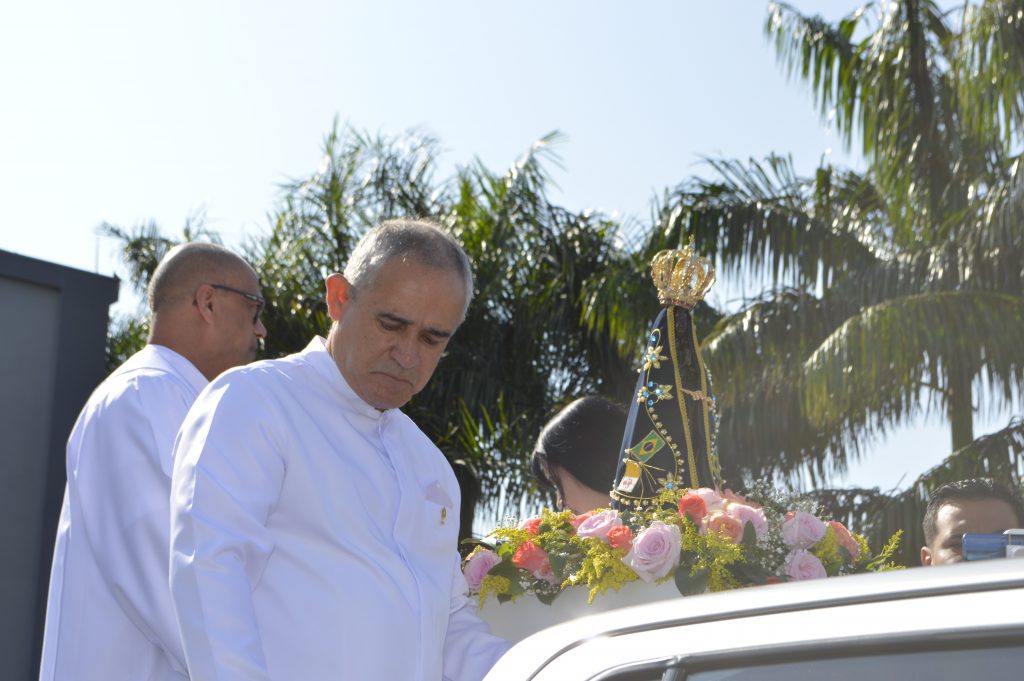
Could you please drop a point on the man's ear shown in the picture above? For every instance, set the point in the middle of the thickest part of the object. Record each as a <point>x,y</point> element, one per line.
<point>204,302</point>
<point>339,291</point>
<point>926,555</point>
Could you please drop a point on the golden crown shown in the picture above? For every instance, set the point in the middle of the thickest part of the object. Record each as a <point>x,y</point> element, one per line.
<point>681,276</point>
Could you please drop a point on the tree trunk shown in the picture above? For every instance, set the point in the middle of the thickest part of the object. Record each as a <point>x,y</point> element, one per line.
<point>959,408</point>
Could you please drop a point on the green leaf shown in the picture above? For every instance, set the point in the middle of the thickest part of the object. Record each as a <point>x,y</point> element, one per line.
<point>749,573</point>
<point>547,597</point>
<point>691,585</point>
<point>507,570</point>
<point>749,540</point>
<point>559,560</point>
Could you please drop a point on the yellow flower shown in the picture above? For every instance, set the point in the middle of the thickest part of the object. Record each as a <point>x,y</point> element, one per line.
<point>602,568</point>
<point>493,584</point>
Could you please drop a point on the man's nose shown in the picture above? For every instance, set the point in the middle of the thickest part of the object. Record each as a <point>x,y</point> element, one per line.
<point>260,330</point>
<point>406,352</point>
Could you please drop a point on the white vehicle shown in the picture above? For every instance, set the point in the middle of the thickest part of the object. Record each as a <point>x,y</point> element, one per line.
<point>962,621</point>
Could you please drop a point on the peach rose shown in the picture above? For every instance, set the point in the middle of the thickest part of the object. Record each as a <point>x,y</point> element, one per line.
<point>713,501</point>
<point>531,525</point>
<point>725,524</point>
<point>620,537</point>
<point>733,498</point>
<point>845,539</point>
<point>694,506</point>
<point>533,559</point>
<point>578,520</point>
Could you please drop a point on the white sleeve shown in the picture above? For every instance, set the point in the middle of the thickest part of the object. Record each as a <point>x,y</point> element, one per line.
<point>121,459</point>
<point>227,477</point>
<point>470,649</point>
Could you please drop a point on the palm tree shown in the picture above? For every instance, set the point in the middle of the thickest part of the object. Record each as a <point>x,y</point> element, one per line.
<point>892,292</point>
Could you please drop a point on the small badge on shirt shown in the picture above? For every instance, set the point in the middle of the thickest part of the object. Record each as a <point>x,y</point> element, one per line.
<point>436,494</point>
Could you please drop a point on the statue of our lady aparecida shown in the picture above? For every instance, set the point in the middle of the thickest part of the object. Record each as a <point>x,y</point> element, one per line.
<point>669,440</point>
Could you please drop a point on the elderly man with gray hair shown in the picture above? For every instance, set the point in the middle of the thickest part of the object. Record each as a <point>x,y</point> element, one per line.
<point>314,526</point>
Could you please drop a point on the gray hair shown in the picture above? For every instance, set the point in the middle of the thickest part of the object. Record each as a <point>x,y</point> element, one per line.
<point>185,268</point>
<point>422,240</point>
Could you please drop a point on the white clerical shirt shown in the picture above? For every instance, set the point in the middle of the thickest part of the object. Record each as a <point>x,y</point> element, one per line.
<point>109,614</point>
<point>313,537</point>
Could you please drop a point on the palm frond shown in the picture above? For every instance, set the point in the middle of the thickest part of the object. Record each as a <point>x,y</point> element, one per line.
<point>824,55</point>
<point>878,360</point>
<point>990,72</point>
<point>760,219</point>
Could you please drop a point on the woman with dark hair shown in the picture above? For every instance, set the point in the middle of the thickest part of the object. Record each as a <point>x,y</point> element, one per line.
<point>577,453</point>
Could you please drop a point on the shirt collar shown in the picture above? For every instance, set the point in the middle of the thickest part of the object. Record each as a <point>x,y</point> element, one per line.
<point>179,365</point>
<point>316,354</point>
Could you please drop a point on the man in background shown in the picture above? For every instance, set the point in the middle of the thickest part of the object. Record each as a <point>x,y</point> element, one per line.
<point>313,525</point>
<point>978,505</point>
<point>109,615</point>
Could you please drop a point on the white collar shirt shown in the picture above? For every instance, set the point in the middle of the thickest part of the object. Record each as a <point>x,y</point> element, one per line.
<point>109,614</point>
<point>314,537</point>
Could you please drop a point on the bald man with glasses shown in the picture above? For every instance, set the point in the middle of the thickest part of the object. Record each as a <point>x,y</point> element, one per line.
<point>109,615</point>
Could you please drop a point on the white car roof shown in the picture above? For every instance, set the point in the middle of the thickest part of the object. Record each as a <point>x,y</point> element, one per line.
<point>988,595</point>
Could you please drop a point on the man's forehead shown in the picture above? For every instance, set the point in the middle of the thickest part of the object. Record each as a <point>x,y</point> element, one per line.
<point>959,513</point>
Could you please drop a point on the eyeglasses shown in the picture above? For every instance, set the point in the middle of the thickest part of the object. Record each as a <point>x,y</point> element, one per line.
<point>260,301</point>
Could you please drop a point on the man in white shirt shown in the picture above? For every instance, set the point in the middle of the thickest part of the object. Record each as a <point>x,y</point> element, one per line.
<point>313,525</point>
<point>109,614</point>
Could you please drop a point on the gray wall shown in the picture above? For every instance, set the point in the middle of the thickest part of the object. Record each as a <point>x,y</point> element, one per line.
<point>53,323</point>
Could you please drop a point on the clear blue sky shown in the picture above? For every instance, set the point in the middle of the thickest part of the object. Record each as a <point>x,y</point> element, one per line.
<point>130,111</point>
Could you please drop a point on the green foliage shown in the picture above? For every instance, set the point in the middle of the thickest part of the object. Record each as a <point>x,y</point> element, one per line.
<point>602,568</point>
<point>126,335</point>
<point>706,559</point>
<point>884,559</point>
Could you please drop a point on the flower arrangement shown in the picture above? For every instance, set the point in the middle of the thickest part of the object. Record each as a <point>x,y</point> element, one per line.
<point>703,539</point>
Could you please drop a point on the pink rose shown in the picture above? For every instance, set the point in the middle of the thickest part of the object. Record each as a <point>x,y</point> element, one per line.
<point>845,539</point>
<point>531,525</point>
<point>725,524</point>
<point>655,551</point>
<point>801,564</point>
<point>598,525</point>
<point>712,499</point>
<point>749,514</point>
<point>534,560</point>
<point>620,537</point>
<point>694,506</point>
<point>478,565</point>
<point>801,530</point>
